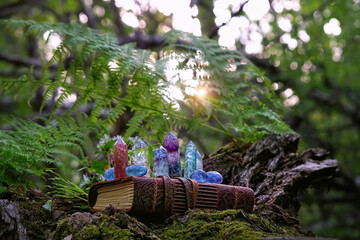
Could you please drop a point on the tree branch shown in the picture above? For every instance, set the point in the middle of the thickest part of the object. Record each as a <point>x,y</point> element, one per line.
<point>14,59</point>
<point>87,11</point>
<point>120,28</point>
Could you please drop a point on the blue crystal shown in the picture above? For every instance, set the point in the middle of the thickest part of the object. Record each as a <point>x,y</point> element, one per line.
<point>160,162</point>
<point>190,159</point>
<point>214,177</point>
<point>199,161</point>
<point>109,174</point>
<point>140,155</point>
<point>199,175</point>
<point>136,170</point>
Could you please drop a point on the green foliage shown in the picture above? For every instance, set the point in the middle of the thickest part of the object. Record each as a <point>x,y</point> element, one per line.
<point>30,147</point>
<point>139,84</point>
<point>233,84</point>
<point>112,79</point>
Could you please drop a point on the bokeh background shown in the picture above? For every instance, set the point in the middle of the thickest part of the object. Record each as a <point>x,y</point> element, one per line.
<point>309,49</point>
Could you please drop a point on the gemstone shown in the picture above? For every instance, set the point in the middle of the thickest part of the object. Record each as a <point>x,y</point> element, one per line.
<point>120,158</point>
<point>140,155</point>
<point>109,174</point>
<point>160,162</point>
<point>190,159</point>
<point>136,170</point>
<point>47,206</point>
<point>214,177</point>
<point>199,175</point>
<point>199,161</point>
<point>171,144</point>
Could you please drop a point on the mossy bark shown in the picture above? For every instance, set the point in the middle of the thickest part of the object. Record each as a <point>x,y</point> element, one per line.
<point>270,167</point>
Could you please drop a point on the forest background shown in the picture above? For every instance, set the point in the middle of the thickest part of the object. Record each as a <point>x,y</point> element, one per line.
<point>309,50</point>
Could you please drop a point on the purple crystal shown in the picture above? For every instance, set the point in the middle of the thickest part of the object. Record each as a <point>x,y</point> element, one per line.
<point>199,175</point>
<point>136,170</point>
<point>171,144</point>
<point>160,162</point>
<point>109,174</point>
<point>214,177</point>
<point>190,159</point>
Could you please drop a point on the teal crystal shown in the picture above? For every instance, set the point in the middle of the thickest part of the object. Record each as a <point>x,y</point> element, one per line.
<point>140,155</point>
<point>199,176</point>
<point>214,177</point>
<point>160,162</point>
<point>136,170</point>
<point>190,159</point>
<point>171,144</point>
<point>199,161</point>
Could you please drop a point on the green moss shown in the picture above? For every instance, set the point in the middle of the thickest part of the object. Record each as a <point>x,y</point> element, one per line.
<point>229,224</point>
<point>90,232</point>
<point>105,227</point>
<point>62,230</point>
<point>212,225</point>
<point>16,192</point>
<point>106,231</point>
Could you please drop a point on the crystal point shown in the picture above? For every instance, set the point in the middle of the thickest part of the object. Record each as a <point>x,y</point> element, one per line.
<point>199,175</point>
<point>109,174</point>
<point>120,158</point>
<point>160,162</point>
<point>140,155</point>
<point>199,161</point>
<point>171,144</point>
<point>136,170</point>
<point>190,159</point>
<point>214,177</point>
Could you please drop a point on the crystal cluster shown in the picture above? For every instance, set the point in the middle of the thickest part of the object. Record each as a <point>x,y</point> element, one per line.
<point>160,162</point>
<point>190,159</point>
<point>171,144</point>
<point>140,155</point>
<point>120,158</point>
<point>166,161</point>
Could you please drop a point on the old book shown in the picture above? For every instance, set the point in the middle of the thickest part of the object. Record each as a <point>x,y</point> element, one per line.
<point>164,196</point>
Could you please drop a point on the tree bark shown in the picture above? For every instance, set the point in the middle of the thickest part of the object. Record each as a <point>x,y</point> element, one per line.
<point>273,169</point>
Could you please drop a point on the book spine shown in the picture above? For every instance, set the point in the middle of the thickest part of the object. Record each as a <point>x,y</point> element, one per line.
<point>164,196</point>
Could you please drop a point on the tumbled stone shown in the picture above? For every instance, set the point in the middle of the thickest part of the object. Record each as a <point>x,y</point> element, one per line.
<point>214,177</point>
<point>109,174</point>
<point>136,170</point>
<point>190,159</point>
<point>160,162</point>
<point>171,144</point>
<point>199,175</point>
<point>140,155</point>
